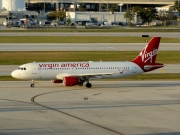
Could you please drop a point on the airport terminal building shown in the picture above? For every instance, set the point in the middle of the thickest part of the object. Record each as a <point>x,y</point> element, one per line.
<point>77,10</point>
<point>93,5</point>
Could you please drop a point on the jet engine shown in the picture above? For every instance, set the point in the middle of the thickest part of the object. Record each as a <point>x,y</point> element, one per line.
<point>57,81</point>
<point>71,81</point>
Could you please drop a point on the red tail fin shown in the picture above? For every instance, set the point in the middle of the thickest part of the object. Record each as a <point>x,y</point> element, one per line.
<point>147,57</point>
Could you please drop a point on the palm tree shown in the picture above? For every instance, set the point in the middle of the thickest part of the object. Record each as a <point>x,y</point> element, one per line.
<point>176,6</point>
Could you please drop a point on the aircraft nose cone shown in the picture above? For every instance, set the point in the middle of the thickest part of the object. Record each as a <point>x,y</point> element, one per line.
<point>13,74</point>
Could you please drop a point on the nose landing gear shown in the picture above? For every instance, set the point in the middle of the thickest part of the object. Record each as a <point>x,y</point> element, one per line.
<point>32,84</point>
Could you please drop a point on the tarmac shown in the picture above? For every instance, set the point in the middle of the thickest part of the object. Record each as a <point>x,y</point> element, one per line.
<point>108,108</point>
<point>84,46</point>
<point>151,34</point>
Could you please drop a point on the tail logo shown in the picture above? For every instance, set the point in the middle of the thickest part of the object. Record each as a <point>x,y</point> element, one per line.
<point>148,55</point>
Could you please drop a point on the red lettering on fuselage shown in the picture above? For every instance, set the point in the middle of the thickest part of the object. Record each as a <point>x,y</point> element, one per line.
<point>55,65</point>
<point>75,65</point>
<point>50,65</point>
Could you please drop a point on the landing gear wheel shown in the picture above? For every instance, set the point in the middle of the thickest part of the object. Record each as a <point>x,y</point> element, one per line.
<point>32,85</point>
<point>88,85</point>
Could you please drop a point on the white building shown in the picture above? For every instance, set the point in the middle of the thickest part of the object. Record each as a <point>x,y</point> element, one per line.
<point>165,8</point>
<point>13,5</point>
<point>98,17</point>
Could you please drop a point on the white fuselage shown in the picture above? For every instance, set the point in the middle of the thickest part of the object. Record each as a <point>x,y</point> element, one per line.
<point>57,70</point>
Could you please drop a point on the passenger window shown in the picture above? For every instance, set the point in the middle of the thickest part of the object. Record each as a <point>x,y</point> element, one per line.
<point>24,68</point>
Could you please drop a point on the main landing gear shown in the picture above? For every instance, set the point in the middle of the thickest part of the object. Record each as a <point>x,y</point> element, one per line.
<point>84,79</point>
<point>88,85</point>
<point>32,84</point>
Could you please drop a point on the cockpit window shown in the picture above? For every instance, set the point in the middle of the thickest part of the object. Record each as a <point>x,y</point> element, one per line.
<point>21,68</point>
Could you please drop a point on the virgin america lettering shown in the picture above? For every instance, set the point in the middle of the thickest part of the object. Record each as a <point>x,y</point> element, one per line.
<point>52,65</point>
<point>75,65</point>
<point>148,55</point>
<point>56,65</point>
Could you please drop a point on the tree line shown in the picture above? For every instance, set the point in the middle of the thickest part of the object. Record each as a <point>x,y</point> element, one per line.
<point>146,15</point>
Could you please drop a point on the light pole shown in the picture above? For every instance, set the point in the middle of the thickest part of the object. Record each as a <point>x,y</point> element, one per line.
<point>120,5</point>
<point>178,7</point>
<point>94,5</point>
<point>44,7</point>
<point>61,5</point>
<point>12,5</point>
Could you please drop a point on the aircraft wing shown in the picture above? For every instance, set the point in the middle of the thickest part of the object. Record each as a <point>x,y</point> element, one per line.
<point>92,75</point>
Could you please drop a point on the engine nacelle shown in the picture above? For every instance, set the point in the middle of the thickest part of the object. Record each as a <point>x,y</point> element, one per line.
<point>71,81</point>
<point>57,81</point>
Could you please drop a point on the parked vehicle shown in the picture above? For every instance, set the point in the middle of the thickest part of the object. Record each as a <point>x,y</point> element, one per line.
<point>54,23</point>
<point>21,22</point>
<point>45,23</point>
<point>89,24</point>
<point>61,23</point>
<point>32,23</point>
<point>108,24</point>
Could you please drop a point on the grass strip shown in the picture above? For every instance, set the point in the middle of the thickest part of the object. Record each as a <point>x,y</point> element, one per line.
<point>140,77</point>
<point>81,39</point>
<point>19,58</point>
<point>8,78</point>
<point>163,76</point>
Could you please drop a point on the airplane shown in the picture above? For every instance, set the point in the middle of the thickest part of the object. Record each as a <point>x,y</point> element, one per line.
<point>77,73</point>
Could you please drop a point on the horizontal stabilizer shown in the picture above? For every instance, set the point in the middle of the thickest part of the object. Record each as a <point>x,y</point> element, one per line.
<point>153,66</point>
